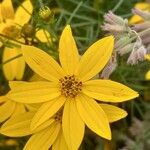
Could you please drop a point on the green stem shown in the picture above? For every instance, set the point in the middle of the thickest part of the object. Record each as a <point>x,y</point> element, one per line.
<point>117,6</point>
<point>134,37</point>
<point>10,39</point>
<point>41,3</point>
<point>74,12</point>
<point>9,60</point>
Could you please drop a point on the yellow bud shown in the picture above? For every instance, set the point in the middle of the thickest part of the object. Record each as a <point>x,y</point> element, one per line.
<point>45,13</point>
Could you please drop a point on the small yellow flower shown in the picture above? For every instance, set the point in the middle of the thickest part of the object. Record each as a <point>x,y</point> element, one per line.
<point>10,26</point>
<point>69,85</point>
<point>143,6</point>
<point>9,108</point>
<point>148,73</point>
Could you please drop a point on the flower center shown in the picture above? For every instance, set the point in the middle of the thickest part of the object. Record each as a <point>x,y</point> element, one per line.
<point>11,31</point>
<point>70,86</point>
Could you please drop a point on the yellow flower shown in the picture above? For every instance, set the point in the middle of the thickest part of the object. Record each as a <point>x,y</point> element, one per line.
<point>6,10</point>
<point>10,26</point>
<point>143,6</point>
<point>69,85</point>
<point>50,132</point>
<point>148,73</point>
<point>10,108</point>
<point>46,135</point>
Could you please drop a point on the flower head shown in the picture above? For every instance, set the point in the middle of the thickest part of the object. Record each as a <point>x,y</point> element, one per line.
<point>114,23</point>
<point>10,108</point>
<point>10,26</point>
<point>69,87</point>
<point>50,132</point>
<point>127,39</point>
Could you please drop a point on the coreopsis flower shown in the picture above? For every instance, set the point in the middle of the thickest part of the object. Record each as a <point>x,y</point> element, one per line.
<point>148,73</point>
<point>69,86</point>
<point>11,28</point>
<point>51,130</point>
<point>15,26</point>
<point>10,108</point>
<point>136,18</point>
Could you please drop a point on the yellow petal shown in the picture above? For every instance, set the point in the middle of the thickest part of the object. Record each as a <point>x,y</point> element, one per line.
<point>113,113</point>
<point>1,19</point>
<point>142,5</point>
<point>147,56</point>
<point>33,107</point>
<point>3,99</point>
<point>33,92</point>
<point>95,58</point>
<point>15,68</point>
<point>23,13</point>
<point>93,116</point>
<point>18,125</point>
<point>43,139</point>
<point>42,64</point>
<point>46,111</point>
<point>7,10</point>
<point>68,53</point>
<point>137,19</point>
<point>42,35</point>
<point>36,77</point>
<point>60,143</point>
<point>19,108</point>
<point>73,126</point>
<point>148,75</point>
<point>6,109</point>
<point>43,125</point>
<point>108,91</point>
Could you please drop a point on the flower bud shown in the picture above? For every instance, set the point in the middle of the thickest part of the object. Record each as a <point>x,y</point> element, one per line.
<point>114,23</point>
<point>109,68</point>
<point>45,13</point>
<point>122,40</point>
<point>126,49</point>
<point>138,53</point>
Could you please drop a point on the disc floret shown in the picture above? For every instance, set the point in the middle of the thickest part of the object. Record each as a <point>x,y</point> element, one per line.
<point>70,86</point>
